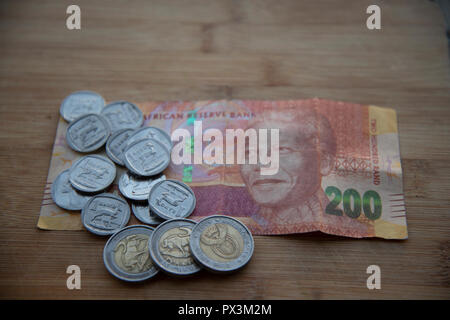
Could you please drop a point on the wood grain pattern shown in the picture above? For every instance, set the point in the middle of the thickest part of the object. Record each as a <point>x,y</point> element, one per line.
<point>194,50</point>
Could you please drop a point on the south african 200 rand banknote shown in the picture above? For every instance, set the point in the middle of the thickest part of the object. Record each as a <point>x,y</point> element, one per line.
<point>339,168</point>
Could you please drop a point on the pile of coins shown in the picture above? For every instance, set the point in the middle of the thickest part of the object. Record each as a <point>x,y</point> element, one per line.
<point>177,246</point>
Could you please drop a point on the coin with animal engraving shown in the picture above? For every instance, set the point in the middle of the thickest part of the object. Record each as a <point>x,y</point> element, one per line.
<point>171,199</point>
<point>142,212</point>
<point>92,173</point>
<point>87,133</point>
<point>105,214</point>
<point>135,187</point>
<point>221,244</point>
<point>126,254</point>
<point>151,133</point>
<point>169,247</point>
<point>146,157</point>
<point>65,196</point>
<point>122,115</point>
<point>115,146</point>
<point>80,103</point>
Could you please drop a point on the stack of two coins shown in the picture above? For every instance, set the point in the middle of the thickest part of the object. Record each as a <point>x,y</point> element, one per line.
<point>87,177</point>
<point>145,152</point>
<point>91,123</point>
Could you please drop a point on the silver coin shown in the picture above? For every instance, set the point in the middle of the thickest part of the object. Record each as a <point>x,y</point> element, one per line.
<point>87,133</point>
<point>65,196</point>
<point>92,173</point>
<point>122,115</point>
<point>137,188</point>
<point>221,244</point>
<point>126,255</point>
<point>142,212</point>
<point>171,199</point>
<point>169,247</point>
<point>105,214</point>
<point>146,157</point>
<point>80,103</point>
<point>151,133</point>
<point>115,146</point>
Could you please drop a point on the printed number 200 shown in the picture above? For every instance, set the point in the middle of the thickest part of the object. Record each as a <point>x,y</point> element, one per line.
<point>354,212</point>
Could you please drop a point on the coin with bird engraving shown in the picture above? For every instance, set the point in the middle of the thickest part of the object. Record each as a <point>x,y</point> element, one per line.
<point>81,103</point>
<point>171,199</point>
<point>122,115</point>
<point>135,187</point>
<point>146,157</point>
<point>105,214</point>
<point>65,196</point>
<point>142,212</point>
<point>151,133</point>
<point>87,133</point>
<point>116,144</point>
<point>169,247</point>
<point>126,254</point>
<point>92,173</point>
<point>221,244</point>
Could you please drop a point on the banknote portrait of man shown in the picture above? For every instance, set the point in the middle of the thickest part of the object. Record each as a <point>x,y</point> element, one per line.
<point>292,200</point>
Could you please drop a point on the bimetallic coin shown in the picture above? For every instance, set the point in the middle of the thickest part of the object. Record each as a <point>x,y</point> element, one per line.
<point>171,199</point>
<point>105,214</point>
<point>142,212</point>
<point>80,103</point>
<point>126,254</point>
<point>151,133</point>
<point>137,188</point>
<point>92,173</point>
<point>65,196</point>
<point>87,133</point>
<point>146,157</point>
<point>169,247</point>
<point>122,115</point>
<point>221,244</point>
<point>115,146</point>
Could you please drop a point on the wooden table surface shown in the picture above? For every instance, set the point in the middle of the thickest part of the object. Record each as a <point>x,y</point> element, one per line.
<point>203,49</point>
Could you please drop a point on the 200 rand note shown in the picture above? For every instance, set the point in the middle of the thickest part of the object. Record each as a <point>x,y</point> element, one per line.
<point>339,168</point>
